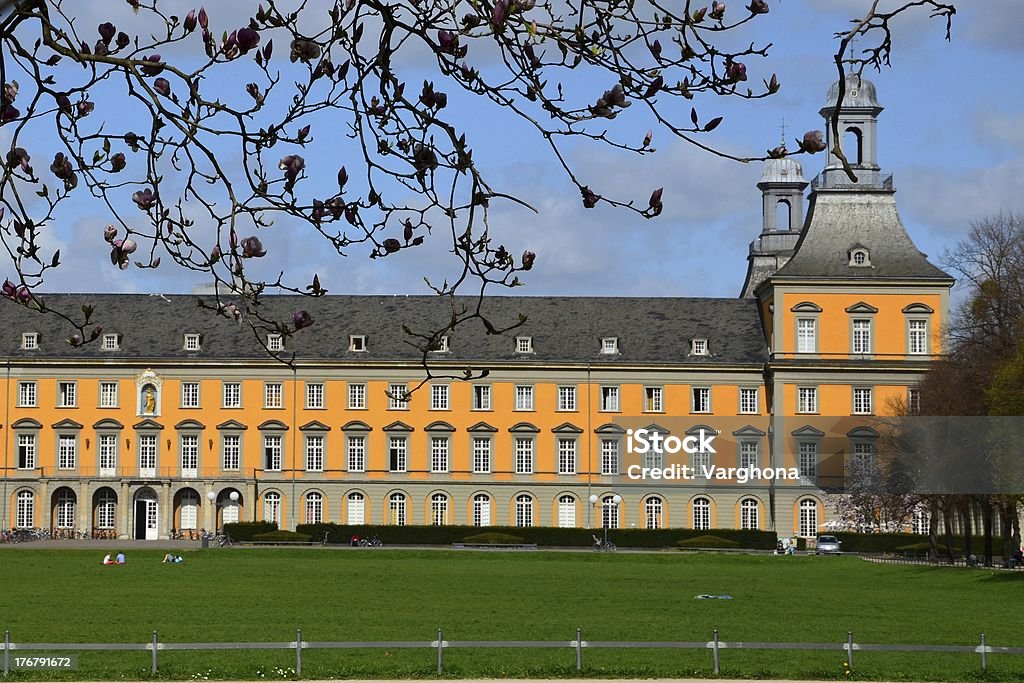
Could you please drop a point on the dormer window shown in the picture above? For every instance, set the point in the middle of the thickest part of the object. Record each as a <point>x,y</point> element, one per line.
<point>698,347</point>
<point>192,342</point>
<point>524,344</point>
<point>441,345</point>
<point>610,345</point>
<point>357,342</point>
<point>275,342</point>
<point>110,342</point>
<point>30,341</point>
<point>859,257</point>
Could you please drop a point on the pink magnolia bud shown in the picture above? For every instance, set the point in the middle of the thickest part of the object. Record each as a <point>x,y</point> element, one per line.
<point>109,233</point>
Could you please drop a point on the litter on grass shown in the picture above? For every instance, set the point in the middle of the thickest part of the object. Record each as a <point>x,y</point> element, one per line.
<point>712,597</point>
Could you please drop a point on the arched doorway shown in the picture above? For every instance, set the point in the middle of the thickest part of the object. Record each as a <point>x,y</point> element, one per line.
<point>104,516</point>
<point>146,509</point>
<point>230,504</point>
<point>64,513</point>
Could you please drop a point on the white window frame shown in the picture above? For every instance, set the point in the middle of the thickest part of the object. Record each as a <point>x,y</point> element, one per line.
<point>806,335</point>
<point>807,459</point>
<point>440,398</point>
<point>147,448</point>
<point>917,336</point>
<point>229,388</point>
<point>314,449</point>
<point>110,342</point>
<point>913,400</point>
<point>654,399</point>
<point>275,342</point>
<point>700,399</point>
<point>524,398</point>
<point>108,394</point>
<point>750,514</point>
<point>567,454</point>
<point>314,507</point>
<point>440,454</point>
<point>439,509</point>
<point>861,336</point>
<point>357,343</point>
<point>481,397</point>
<point>525,450</point>
<point>272,507</point>
<point>610,456</point>
<point>609,345</point>
<point>28,394</point>
<point>67,394</point>
<point>610,398</point>
<point>863,400</point>
<point>30,341</point>
<point>355,452</point>
<point>654,511</point>
<point>524,510</point>
<point>442,345</point>
<point>273,395</point>
<point>355,508</point>
<point>524,344</point>
<point>28,451</point>
<point>398,509</point>
<point>566,398</point>
<point>482,454</point>
<point>188,455</point>
<point>749,453</point>
<point>398,453</point>
<point>273,452</point>
<point>807,526</point>
<point>356,396</point>
<point>67,452</point>
<point>395,400</point>
<point>25,510</point>
<point>701,513</point>
<point>749,401</point>
<point>192,342</point>
<point>481,510</point>
<point>231,452</point>
<point>807,400</point>
<point>190,394</point>
<point>699,347</point>
<point>315,396</point>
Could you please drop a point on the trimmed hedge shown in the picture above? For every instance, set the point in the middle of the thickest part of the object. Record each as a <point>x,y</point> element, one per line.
<point>893,543</point>
<point>244,531</point>
<point>282,537</point>
<point>707,541</point>
<point>493,538</point>
<point>542,536</point>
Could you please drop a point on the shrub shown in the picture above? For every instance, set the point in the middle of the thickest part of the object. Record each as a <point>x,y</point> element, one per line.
<point>707,541</point>
<point>493,537</point>
<point>244,531</point>
<point>542,536</point>
<point>282,537</point>
<point>892,543</point>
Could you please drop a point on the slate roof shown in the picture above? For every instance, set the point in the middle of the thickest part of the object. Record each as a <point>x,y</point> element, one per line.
<point>839,220</point>
<point>564,329</point>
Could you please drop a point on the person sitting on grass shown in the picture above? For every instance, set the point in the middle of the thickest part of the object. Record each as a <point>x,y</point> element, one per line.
<point>120,559</point>
<point>107,559</point>
<point>168,558</point>
<point>178,559</point>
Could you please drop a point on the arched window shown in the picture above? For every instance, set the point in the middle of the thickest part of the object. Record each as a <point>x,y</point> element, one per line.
<point>397,509</point>
<point>481,510</point>
<point>356,508</point>
<point>808,518</point>
<point>609,513</point>
<point>188,510</point>
<point>567,512</point>
<point>920,523</point>
<point>65,512</point>
<point>748,514</point>
<point>652,513</point>
<point>701,513</point>
<point>106,509</point>
<point>25,515</point>
<point>272,507</point>
<point>439,509</point>
<point>524,510</point>
<point>852,140</point>
<point>783,215</point>
<point>314,507</point>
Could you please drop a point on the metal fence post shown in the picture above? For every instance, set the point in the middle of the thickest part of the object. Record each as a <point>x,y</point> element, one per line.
<point>7,651</point>
<point>152,665</point>
<point>714,650</point>
<point>849,649</point>
<point>440,649</point>
<point>298,652</point>
<point>579,649</point>
<point>984,659</point>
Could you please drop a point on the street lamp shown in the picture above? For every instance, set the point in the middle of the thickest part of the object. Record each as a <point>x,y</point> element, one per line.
<point>594,499</point>
<point>212,497</point>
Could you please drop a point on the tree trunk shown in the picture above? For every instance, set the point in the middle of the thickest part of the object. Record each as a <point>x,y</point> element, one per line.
<point>965,515</point>
<point>933,529</point>
<point>986,523</point>
<point>948,524</point>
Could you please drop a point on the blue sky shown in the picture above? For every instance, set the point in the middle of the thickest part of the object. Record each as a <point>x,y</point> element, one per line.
<point>952,133</point>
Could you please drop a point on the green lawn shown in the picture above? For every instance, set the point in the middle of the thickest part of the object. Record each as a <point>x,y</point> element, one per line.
<point>338,594</point>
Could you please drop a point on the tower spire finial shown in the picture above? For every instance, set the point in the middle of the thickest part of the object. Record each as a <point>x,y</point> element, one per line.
<point>853,51</point>
<point>782,138</point>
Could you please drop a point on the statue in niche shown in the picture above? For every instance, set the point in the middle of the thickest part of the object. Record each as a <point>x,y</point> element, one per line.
<point>149,400</point>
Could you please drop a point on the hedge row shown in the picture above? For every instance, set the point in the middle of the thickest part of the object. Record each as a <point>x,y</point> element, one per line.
<point>894,543</point>
<point>542,536</point>
<point>244,531</point>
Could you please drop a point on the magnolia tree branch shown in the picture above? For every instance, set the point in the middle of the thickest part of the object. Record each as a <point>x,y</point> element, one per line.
<point>202,138</point>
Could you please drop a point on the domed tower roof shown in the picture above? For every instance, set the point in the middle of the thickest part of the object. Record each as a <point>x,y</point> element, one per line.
<point>860,93</point>
<point>785,170</point>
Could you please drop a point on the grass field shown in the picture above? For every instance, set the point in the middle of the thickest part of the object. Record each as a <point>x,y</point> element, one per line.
<point>332,594</point>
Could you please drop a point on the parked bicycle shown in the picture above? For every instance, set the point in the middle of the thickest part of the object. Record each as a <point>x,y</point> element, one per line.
<point>374,542</point>
<point>603,544</point>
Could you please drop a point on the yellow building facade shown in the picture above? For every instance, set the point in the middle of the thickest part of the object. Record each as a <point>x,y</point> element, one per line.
<point>178,422</point>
